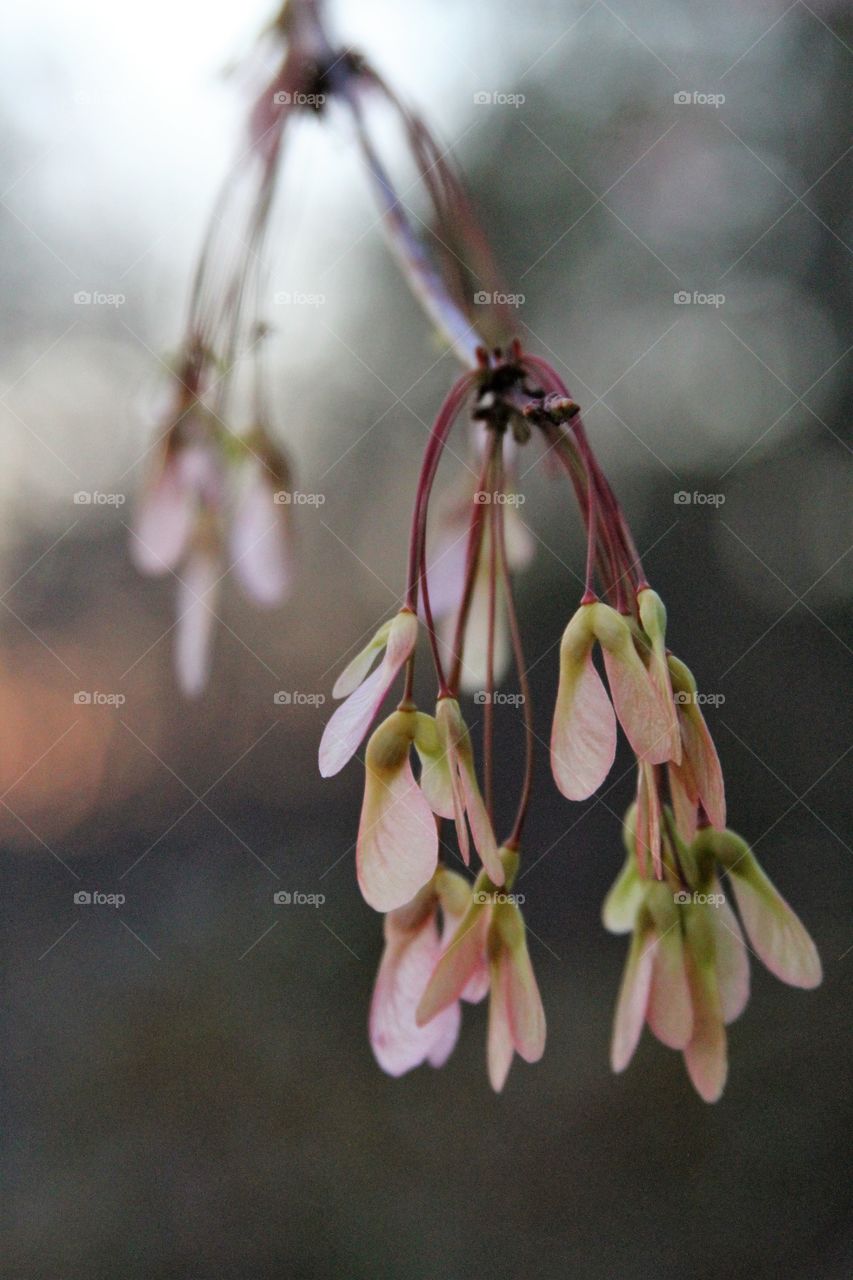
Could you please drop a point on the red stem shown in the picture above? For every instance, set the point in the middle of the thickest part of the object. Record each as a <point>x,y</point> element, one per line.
<point>488,707</point>
<point>475,540</point>
<point>417,587</point>
<point>524,687</point>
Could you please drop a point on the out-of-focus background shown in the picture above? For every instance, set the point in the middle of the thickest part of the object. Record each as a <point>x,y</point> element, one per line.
<point>193,1094</point>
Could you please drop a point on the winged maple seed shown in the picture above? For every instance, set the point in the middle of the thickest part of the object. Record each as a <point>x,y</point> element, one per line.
<point>687,972</point>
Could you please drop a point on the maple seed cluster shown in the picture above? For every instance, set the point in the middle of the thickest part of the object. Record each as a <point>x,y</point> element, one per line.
<point>210,507</point>
<point>449,941</point>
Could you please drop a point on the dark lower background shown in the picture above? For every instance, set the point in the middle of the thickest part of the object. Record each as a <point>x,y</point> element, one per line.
<point>208,1113</point>
<point>191,1093</point>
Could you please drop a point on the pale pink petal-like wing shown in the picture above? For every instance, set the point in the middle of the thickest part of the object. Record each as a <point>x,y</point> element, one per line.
<point>633,998</point>
<point>670,1011</point>
<point>704,762</point>
<point>454,740</point>
<point>732,961</point>
<point>499,1045</point>
<point>520,542</point>
<point>437,785</point>
<point>461,962</point>
<point>706,1056</point>
<point>648,824</point>
<point>642,841</point>
<point>480,823</point>
<point>397,848</point>
<point>446,570</point>
<point>396,1047</point>
<point>398,1043</point>
<point>655,819</point>
<point>653,619</point>
<point>477,986</point>
<point>526,1014</point>
<point>775,931</point>
<point>350,722</point>
<point>353,717</point>
<point>457,798</point>
<point>446,1032</point>
<point>196,600</point>
<point>436,777</point>
<point>684,797</point>
<point>659,676</point>
<point>201,471</point>
<point>356,670</point>
<point>640,711</point>
<point>583,737</point>
<point>474,672</point>
<point>163,523</point>
<point>259,547</point>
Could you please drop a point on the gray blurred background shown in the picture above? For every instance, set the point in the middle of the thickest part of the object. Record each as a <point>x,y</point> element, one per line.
<point>192,1092</point>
